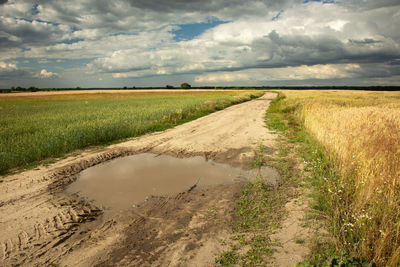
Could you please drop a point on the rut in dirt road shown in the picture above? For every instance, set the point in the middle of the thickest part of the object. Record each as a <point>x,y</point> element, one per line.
<point>41,224</point>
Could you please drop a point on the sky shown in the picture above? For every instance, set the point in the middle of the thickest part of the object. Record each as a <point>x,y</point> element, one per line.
<point>149,43</point>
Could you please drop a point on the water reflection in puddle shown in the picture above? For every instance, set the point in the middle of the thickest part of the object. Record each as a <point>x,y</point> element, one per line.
<point>123,182</point>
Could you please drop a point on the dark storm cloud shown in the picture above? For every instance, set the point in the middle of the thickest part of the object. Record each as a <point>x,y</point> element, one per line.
<point>25,32</point>
<point>138,15</point>
<point>274,50</point>
<point>366,41</point>
<point>323,49</point>
<point>202,5</point>
<point>376,70</point>
<point>5,43</point>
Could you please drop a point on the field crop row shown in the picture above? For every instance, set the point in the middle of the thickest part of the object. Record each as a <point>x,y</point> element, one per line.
<point>50,126</point>
<point>360,133</point>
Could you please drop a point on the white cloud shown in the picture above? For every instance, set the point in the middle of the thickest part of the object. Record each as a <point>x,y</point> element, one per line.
<point>312,34</point>
<point>5,66</point>
<point>44,74</point>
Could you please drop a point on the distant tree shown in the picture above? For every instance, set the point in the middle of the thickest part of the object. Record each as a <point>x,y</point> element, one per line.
<point>32,89</point>
<point>125,87</point>
<point>12,88</point>
<point>78,88</point>
<point>185,86</point>
<point>169,86</point>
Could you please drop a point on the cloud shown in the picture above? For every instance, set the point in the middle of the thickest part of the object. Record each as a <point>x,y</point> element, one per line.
<point>245,45</point>
<point>223,77</point>
<point>10,71</point>
<point>22,32</point>
<point>4,66</point>
<point>371,4</point>
<point>299,73</point>
<point>135,39</point>
<point>221,8</point>
<point>44,74</point>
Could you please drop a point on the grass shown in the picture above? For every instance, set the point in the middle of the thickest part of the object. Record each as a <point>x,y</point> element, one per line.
<point>38,127</point>
<point>260,210</point>
<point>350,141</point>
<point>228,258</point>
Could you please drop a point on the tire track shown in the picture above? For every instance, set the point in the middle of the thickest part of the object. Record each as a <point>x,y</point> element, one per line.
<point>48,234</point>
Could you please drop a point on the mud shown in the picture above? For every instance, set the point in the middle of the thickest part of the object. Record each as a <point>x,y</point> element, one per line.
<point>185,231</point>
<point>41,224</point>
<point>119,184</point>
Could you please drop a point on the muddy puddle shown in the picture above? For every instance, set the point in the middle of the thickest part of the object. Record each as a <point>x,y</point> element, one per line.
<point>119,184</point>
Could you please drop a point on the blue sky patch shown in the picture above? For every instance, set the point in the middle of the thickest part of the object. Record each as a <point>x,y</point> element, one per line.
<point>190,31</point>
<point>34,9</point>
<point>75,29</point>
<point>123,33</point>
<point>277,15</point>
<point>71,41</point>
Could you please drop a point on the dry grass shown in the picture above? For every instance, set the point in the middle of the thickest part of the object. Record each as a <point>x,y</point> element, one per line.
<point>361,133</point>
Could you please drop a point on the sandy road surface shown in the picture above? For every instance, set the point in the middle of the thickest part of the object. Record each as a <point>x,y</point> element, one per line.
<point>40,224</point>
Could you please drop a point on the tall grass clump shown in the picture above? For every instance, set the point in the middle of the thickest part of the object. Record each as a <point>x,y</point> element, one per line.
<point>360,132</point>
<point>45,127</point>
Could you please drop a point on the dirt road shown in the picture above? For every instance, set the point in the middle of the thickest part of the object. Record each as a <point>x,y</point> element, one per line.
<point>40,224</point>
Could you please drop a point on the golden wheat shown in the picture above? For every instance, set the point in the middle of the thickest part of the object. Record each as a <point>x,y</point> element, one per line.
<point>361,133</point>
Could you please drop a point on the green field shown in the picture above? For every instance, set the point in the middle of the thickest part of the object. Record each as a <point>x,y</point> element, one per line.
<point>36,127</point>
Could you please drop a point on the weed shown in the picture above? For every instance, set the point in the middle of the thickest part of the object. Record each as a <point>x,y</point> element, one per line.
<point>337,261</point>
<point>227,258</point>
<point>283,152</point>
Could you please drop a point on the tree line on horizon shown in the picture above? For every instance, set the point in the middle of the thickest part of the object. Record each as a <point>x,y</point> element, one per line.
<point>188,86</point>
